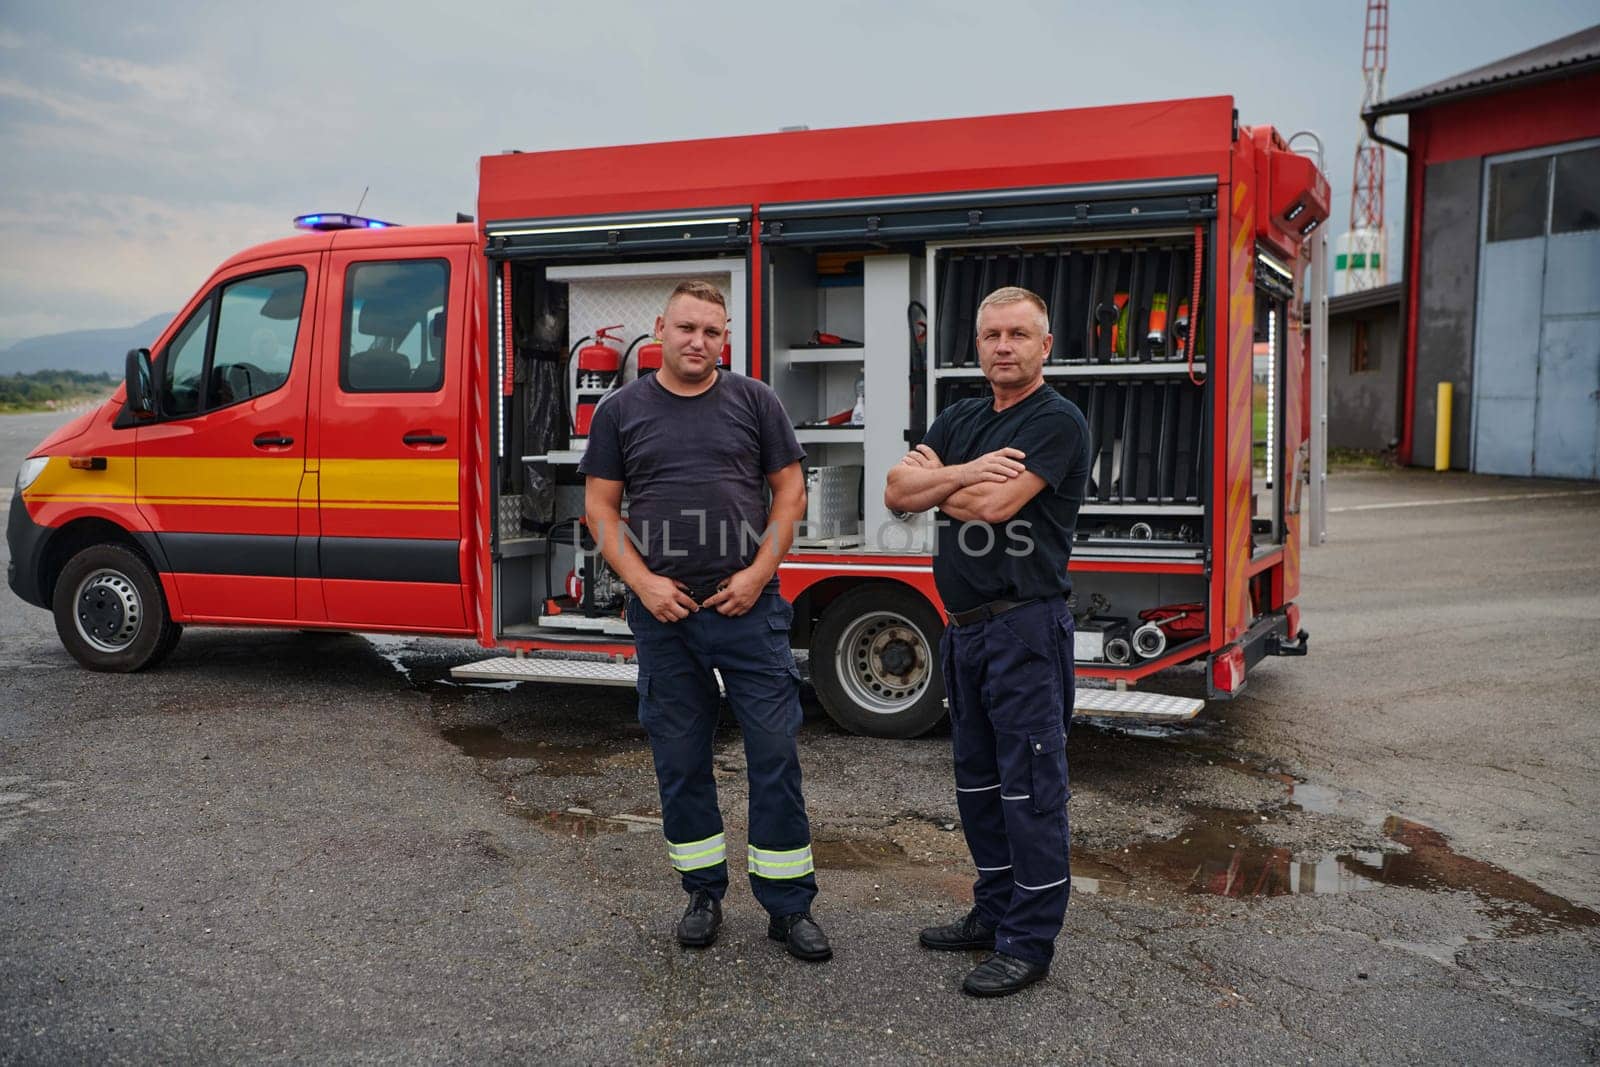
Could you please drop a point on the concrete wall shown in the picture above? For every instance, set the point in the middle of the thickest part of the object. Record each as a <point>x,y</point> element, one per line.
<point>1364,408</point>
<point>1447,303</point>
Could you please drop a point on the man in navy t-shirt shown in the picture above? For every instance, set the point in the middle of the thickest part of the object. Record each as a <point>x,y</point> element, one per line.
<point>696,450</point>
<point>1007,474</point>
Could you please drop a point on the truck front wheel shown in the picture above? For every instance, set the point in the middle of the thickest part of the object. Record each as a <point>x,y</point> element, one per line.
<point>110,611</point>
<point>875,662</point>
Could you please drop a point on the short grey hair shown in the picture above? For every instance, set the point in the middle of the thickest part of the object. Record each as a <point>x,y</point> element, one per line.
<point>1016,294</point>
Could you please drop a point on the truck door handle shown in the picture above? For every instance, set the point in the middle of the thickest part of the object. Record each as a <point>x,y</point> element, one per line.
<point>424,438</point>
<point>269,440</point>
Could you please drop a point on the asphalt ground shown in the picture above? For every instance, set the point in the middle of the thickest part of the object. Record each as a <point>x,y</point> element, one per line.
<point>289,847</point>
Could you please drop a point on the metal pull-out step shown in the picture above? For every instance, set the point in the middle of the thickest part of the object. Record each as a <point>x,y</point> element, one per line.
<point>1128,704</point>
<point>1099,703</point>
<point>561,671</point>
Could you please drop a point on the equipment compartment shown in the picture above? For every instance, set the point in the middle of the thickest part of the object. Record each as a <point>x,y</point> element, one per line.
<point>551,583</point>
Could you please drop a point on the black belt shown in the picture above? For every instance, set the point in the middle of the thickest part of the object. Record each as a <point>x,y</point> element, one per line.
<point>985,612</point>
<point>701,594</point>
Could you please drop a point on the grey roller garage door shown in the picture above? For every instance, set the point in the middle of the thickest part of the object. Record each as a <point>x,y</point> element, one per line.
<point>1536,398</point>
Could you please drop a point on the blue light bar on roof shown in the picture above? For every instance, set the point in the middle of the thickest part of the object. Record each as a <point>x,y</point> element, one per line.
<point>338,220</point>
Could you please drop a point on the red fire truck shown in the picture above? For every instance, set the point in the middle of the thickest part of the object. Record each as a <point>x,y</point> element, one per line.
<point>376,427</point>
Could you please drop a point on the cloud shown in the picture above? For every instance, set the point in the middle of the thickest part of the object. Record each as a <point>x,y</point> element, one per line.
<point>162,257</point>
<point>166,84</point>
<point>199,128</point>
<point>76,113</point>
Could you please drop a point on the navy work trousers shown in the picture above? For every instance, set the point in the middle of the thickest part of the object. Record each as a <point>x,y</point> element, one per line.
<point>1010,684</point>
<point>678,707</point>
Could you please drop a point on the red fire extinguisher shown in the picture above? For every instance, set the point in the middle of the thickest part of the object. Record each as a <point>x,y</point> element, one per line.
<point>598,364</point>
<point>650,356</point>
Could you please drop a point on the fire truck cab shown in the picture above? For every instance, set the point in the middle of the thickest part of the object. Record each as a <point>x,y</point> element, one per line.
<point>375,427</point>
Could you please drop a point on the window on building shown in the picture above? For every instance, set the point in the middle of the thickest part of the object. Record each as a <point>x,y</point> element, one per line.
<point>1362,358</point>
<point>1519,197</point>
<point>1575,201</point>
<point>394,327</point>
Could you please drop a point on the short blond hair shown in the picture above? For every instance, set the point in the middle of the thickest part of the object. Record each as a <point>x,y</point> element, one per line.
<point>1016,294</point>
<point>700,290</point>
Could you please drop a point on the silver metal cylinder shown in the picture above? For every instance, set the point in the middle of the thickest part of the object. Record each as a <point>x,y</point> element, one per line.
<point>1150,640</point>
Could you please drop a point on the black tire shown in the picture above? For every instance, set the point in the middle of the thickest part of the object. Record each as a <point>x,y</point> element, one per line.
<point>169,641</point>
<point>110,611</point>
<point>875,662</point>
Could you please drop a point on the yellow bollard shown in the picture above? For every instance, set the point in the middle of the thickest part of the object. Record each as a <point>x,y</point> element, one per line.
<point>1441,432</point>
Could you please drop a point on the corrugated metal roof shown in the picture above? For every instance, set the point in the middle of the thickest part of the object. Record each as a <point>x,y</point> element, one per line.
<point>1559,58</point>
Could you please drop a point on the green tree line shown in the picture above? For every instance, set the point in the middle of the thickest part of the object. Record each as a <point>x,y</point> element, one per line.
<point>51,388</point>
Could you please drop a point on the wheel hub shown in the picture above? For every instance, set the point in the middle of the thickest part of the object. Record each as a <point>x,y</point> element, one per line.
<point>898,658</point>
<point>884,662</point>
<point>108,612</point>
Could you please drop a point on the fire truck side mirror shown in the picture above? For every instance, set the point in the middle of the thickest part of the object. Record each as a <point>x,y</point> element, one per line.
<point>141,391</point>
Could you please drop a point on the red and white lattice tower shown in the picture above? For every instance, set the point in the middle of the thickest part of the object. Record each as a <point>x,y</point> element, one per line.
<point>1358,263</point>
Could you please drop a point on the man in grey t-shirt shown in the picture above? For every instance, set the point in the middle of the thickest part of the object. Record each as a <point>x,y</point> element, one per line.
<point>696,450</point>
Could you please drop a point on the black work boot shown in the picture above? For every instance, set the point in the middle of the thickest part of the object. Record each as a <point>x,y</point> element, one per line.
<point>701,920</point>
<point>968,932</point>
<point>802,936</point>
<point>1001,975</point>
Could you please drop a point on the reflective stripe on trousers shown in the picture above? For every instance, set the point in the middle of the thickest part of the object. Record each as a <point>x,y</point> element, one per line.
<point>792,863</point>
<point>694,855</point>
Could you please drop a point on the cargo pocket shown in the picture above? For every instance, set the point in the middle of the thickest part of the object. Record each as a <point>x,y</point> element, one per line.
<point>1047,756</point>
<point>779,622</point>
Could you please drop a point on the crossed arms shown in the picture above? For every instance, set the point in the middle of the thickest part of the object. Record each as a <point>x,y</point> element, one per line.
<point>991,488</point>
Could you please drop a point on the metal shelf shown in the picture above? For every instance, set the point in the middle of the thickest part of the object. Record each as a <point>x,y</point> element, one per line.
<point>1136,553</point>
<point>841,354</point>
<point>827,435</point>
<point>523,546</point>
<point>672,269</point>
<point>1142,509</point>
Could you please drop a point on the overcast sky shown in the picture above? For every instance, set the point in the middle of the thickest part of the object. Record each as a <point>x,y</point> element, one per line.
<point>141,144</point>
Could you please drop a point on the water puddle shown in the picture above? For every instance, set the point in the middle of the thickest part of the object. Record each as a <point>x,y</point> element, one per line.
<point>554,761</point>
<point>854,854</point>
<point>1215,854</point>
<point>487,742</point>
<point>1319,799</point>
<point>583,822</point>
<point>1431,864</point>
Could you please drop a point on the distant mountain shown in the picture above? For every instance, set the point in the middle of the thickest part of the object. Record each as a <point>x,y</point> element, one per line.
<point>92,351</point>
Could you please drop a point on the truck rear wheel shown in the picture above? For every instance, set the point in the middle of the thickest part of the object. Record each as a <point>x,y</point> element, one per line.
<point>875,662</point>
<point>110,611</point>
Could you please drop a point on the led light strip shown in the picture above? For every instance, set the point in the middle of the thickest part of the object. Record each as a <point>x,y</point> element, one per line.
<point>500,356</point>
<point>1277,268</point>
<point>1272,388</point>
<point>608,226</point>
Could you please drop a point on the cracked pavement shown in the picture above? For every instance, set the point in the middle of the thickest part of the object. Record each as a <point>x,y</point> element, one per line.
<point>295,847</point>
